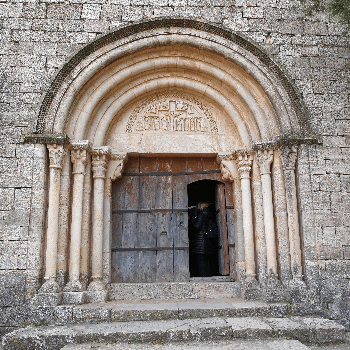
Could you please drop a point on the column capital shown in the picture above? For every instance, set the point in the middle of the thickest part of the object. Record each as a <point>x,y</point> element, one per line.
<point>78,157</point>
<point>265,158</point>
<point>100,157</point>
<point>245,159</point>
<point>56,154</point>
<point>81,145</point>
<point>289,157</point>
<point>225,161</point>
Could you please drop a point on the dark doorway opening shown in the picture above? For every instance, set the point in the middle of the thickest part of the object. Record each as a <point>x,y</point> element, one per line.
<point>203,191</point>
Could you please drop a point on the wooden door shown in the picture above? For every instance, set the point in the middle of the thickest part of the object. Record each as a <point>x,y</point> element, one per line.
<point>221,220</point>
<point>150,217</point>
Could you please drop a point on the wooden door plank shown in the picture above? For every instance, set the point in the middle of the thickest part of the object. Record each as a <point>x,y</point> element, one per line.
<point>132,166</point>
<point>230,213</point>
<point>195,165</point>
<point>147,221</point>
<point>180,221</point>
<point>163,196</point>
<point>224,262</point>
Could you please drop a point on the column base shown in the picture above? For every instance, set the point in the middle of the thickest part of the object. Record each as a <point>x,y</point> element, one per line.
<point>46,299</point>
<point>297,290</point>
<point>73,286</point>
<point>50,287</point>
<point>251,289</point>
<point>96,292</point>
<point>273,290</point>
<point>74,298</point>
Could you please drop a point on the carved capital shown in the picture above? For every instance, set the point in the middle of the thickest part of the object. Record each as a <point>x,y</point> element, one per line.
<point>100,157</point>
<point>224,160</point>
<point>289,157</point>
<point>115,170</point>
<point>81,144</point>
<point>78,157</point>
<point>56,154</point>
<point>245,160</point>
<point>120,160</point>
<point>265,158</point>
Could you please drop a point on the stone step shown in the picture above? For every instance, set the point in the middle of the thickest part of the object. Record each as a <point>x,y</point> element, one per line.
<point>209,287</point>
<point>307,330</point>
<point>148,310</point>
<point>281,344</point>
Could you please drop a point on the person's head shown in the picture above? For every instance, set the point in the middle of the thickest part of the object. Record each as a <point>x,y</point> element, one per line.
<point>202,205</point>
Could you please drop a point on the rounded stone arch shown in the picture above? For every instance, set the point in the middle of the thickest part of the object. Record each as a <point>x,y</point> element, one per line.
<point>204,61</point>
<point>166,87</point>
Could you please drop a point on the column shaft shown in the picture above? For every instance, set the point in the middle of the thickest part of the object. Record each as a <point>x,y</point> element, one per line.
<point>99,166</point>
<point>85,229</point>
<point>244,167</point>
<point>97,229</point>
<point>79,159</point>
<point>289,155</point>
<point>260,239</point>
<point>56,153</point>
<point>64,214</point>
<point>280,207</point>
<point>265,159</point>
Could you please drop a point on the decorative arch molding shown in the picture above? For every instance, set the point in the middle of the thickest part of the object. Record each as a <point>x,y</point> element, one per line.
<point>239,106</point>
<point>291,115</point>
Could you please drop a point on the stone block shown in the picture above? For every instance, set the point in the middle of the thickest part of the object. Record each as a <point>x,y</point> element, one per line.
<point>64,11</point>
<point>74,298</point>
<point>91,314</point>
<point>7,198</point>
<point>132,13</point>
<point>13,255</point>
<point>91,11</point>
<point>12,288</point>
<point>96,296</point>
<point>46,299</point>
<point>14,316</point>
<point>34,10</point>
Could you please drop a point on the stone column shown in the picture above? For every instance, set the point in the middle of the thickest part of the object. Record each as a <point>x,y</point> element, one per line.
<point>63,226</point>
<point>244,168</point>
<point>280,210</point>
<point>96,289</point>
<point>265,159</point>
<point>258,209</point>
<point>56,153</point>
<point>78,156</point>
<point>86,226</point>
<point>289,156</point>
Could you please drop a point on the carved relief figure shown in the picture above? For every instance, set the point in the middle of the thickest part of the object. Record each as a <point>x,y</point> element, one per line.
<point>171,114</point>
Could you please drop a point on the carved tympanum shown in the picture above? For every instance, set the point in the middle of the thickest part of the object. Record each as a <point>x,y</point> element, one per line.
<point>174,113</point>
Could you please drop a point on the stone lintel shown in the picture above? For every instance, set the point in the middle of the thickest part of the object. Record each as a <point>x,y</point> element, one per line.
<point>288,140</point>
<point>47,139</point>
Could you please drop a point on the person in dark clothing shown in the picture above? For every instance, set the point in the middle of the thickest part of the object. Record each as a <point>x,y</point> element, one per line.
<point>203,240</point>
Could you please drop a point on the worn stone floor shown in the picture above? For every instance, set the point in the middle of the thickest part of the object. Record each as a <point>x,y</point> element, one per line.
<point>213,345</point>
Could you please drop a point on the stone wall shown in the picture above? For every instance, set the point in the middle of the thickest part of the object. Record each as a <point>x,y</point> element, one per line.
<point>38,37</point>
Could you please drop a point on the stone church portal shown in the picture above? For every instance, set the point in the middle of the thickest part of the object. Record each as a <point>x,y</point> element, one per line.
<point>132,124</point>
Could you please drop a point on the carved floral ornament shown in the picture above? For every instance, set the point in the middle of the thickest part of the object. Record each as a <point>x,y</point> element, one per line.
<point>173,113</point>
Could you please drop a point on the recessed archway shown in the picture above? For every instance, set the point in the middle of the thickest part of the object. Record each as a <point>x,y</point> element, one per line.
<point>165,88</point>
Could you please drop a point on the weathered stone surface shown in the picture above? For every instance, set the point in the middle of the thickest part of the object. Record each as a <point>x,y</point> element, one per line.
<point>37,38</point>
<point>308,329</point>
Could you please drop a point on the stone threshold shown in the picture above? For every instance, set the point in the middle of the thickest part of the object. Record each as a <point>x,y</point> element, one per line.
<point>305,329</point>
<point>197,288</point>
<point>153,310</point>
